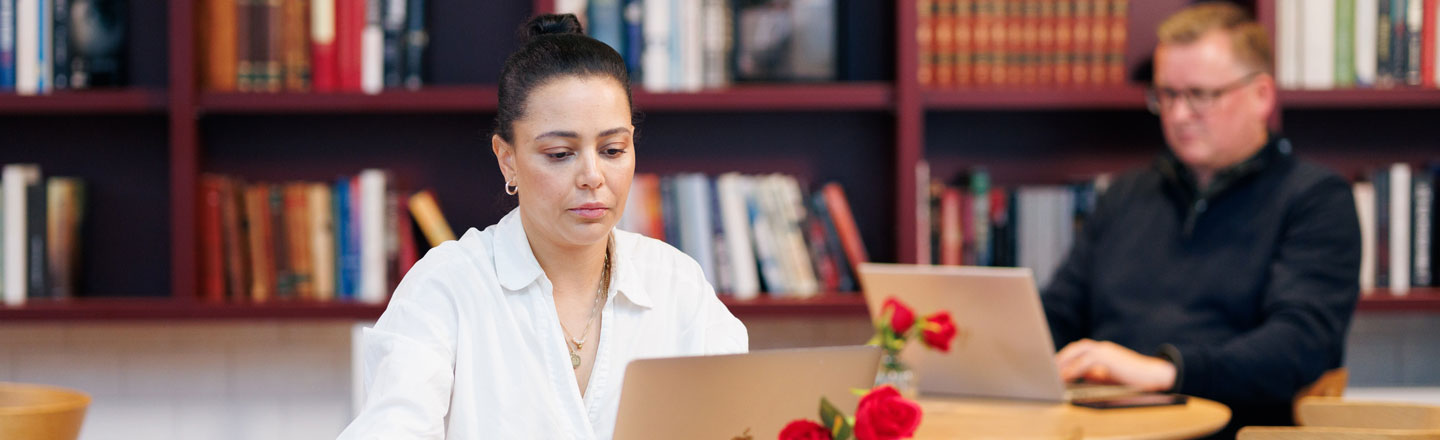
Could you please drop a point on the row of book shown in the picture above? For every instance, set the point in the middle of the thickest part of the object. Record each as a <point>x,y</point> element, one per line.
<point>40,234</point>
<point>752,233</point>
<point>1396,206</point>
<point>689,45</point>
<point>48,45</point>
<point>350,239</point>
<point>971,222</point>
<point>1021,43</point>
<point>1341,44</point>
<point>311,45</point>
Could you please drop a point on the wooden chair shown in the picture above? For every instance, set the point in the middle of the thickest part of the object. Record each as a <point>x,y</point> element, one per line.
<point>1330,418</point>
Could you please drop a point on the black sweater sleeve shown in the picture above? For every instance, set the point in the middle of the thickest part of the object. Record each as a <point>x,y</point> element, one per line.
<point>1307,305</point>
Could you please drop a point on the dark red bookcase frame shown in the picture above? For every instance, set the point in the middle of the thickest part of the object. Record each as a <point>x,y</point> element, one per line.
<point>185,104</point>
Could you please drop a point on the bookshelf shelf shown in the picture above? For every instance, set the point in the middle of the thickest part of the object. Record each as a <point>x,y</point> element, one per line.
<point>771,97</point>
<point>1419,299</point>
<point>1117,98</point>
<point>100,101</point>
<point>168,309</point>
<point>433,99</point>
<point>1360,99</point>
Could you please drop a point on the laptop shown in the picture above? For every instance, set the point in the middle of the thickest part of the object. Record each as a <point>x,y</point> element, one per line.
<point>1003,348</point>
<point>751,395</point>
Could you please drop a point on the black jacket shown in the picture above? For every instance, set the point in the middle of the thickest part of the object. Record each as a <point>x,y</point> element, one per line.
<point>1248,287</point>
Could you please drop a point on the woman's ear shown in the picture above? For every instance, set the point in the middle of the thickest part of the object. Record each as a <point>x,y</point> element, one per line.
<point>504,156</point>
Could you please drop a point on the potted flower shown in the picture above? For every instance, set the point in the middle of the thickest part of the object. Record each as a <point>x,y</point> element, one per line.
<point>894,328</point>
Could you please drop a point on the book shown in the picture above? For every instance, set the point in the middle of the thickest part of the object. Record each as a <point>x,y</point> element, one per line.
<point>60,53</point>
<point>212,258</point>
<point>234,231</point>
<point>1365,212</point>
<point>426,211</point>
<point>1366,41</point>
<point>261,244</point>
<point>733,191</point>
<point>417,38</point>
<point>1344,43</point>
<point>1400,228</point>
<point>322,240</point>
<point>845,225</point>
<point>372,189</point>
<point>65,219</point>
<point>217,33</point>
<point>324,68</point>
<point>1422,223</point>
<point>1318,43</point>
<point>372,48</point>
<point>7,45</point>
<point>15,180</point>
<point>27,47</point>
<point>393,25</point>
<point>295,44</point>
<point>37,264</point>
<point>100,47</point>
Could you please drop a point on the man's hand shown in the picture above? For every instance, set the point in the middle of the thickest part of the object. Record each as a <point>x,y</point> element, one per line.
<point>1108,362</point>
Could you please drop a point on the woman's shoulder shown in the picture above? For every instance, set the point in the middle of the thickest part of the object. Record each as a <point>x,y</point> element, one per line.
<point>655,255</point>
<point>468,254</point>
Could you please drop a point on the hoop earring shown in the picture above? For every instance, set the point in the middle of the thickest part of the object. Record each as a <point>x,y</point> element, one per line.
<point>511,189</point>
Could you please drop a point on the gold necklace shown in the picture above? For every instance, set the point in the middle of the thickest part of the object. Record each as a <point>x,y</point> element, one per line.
<point>599,295</point>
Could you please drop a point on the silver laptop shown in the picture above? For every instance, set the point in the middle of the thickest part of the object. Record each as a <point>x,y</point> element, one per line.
<point>754,394</point>
<point>1003,348</point>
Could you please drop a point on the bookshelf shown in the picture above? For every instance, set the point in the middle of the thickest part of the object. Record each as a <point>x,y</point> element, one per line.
<point>158,135</point>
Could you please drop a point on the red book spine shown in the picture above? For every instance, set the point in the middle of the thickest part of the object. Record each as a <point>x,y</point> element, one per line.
<point>323,67</point>
<point>212,267</point>
<point>845,225</point>
<point>951,232</point>
<point>349,23</point>
<point>1427,55</point>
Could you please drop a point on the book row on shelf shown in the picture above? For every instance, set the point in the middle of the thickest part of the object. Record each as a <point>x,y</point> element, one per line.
<point>1030,43</point>
<point>970,222</point>
<point>347,240</point>
<point>48,45</point>
<point>311,45</point>
<point>1396,206</point>
<point>752,233</point>
<point>40,234</point>
<point>689,45</point>
<point>1343,44</point>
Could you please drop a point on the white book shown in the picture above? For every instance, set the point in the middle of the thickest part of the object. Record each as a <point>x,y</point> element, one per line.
<point>655,59</point>
<point>1288,43</point>
<point>1400,228</point>
<point>734,191</point>
<point>792,203</point>
<point>322,240</point>
<point>372,50</point>
<point>692,41</point>
<point>718,42</point>
<point>1367,12</point>
<point>372,236</point>
<point>766,241</point>
<point>27,47</point>
<point>696,229</point>
<point>1318,59</point>
<point>13,182</point>
<point>1365,211</point>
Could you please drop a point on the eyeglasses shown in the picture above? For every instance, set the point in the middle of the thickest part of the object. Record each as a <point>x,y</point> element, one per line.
<point>1200,100</point>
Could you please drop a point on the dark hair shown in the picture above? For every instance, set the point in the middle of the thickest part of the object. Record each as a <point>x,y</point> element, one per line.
<point>554,46</point>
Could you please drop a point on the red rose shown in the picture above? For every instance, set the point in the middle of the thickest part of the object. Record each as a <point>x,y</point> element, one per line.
<point>901,318</point>
<point>884,415</point>
<point>939,330</point>
<point>804,430</point>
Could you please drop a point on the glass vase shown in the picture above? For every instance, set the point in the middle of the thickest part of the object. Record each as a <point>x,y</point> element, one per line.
<point>895,373</point>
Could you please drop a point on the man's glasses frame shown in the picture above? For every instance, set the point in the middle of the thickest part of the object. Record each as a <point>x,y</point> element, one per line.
<point>1157,99</point>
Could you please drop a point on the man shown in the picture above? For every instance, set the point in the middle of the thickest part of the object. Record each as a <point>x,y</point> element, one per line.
<point>1228,270</point>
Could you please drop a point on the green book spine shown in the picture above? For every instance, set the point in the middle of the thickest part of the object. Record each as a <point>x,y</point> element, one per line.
<point>1345,44</point>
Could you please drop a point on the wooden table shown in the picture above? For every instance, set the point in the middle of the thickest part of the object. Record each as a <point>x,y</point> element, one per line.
<point>950,417</point>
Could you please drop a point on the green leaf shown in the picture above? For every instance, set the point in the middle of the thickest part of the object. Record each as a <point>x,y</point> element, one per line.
<point>834,420</point>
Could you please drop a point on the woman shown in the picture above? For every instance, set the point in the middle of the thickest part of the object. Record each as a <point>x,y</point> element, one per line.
<point>523,330</point>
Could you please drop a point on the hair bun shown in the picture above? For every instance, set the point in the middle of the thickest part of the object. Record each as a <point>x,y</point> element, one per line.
<point>552,24</point>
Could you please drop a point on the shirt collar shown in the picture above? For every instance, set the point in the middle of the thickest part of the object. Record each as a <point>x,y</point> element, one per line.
<point>517,267</point>
<point>1177,174</point>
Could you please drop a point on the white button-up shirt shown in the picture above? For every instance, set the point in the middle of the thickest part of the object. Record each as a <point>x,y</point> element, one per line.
<point>471,347</point>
